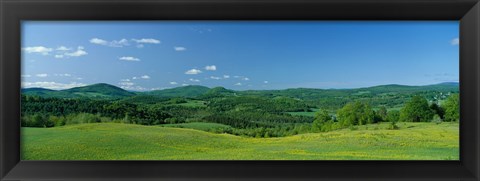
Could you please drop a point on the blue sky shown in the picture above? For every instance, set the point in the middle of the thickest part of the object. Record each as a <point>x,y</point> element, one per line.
<point>240,55</point>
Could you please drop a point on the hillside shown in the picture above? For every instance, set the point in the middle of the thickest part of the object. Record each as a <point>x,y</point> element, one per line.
<point>385,94</point>
<point>115,142</point>
<point>100,90</point>
<point>184,91</point>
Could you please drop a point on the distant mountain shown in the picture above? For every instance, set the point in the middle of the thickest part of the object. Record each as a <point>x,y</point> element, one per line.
<point>184,91</point>
<point>102,90</point>
<point>218,92</point>
<point>109,91</point>
<point>91,91</point>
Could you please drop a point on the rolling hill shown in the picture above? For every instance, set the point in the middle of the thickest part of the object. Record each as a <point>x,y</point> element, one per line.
<point>100,90</point>
<point>192,91</point>
<point>113,141</point>
<point>184,91</point>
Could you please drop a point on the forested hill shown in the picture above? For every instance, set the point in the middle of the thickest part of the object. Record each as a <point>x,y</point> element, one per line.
<point>101,90</point>
<point>106,91</point>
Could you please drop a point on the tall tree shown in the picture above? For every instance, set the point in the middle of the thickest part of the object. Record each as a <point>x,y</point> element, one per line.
<point>416,110</point>
<point>321,117</point>
<point>355,113</point>
<point>452,108</point>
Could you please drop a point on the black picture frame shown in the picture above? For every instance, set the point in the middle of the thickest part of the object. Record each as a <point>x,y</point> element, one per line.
<point>12,12</point>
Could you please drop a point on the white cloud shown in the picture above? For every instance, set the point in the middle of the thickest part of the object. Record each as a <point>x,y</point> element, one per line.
<point>245,78</point>
<point>173,83</point>
<point>178,49</point>
<point>98,41</point>
<point>226,76</point>
<point>185,84</point>
<point>114,43</point>
<point>52,85</point>
<point>62,75</point>
<point>126,83</point>
<point>80,52</point>
<point>125,80</point>
<point>63,48</point>
<point>58,56</point>
<point>455,41</point>
<point>265,82</point>
<point>26,76</point>
<point>146,40</point>
<point>42,75</point>
<point>238,84</point>
<point>236,76</point>
<point>145,77</point>
<point>194,80</point>
<point>135,88</point>
<point>140,46</point>
<point>132,59</point>
<point>211,67</point>
<point>38,49</point>
<point>216,78</point>
<point>193,71</point>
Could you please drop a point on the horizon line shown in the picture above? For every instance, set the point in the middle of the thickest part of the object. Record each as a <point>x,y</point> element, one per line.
<point>457,82</point>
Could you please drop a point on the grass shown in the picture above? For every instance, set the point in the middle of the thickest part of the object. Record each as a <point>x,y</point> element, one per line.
<point>194,103</point>
<point>197,126</point>
<point>110,141</point>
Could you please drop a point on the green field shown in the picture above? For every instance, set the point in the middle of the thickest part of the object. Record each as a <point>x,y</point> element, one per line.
<point>197,126</point>
<point>111,141</point>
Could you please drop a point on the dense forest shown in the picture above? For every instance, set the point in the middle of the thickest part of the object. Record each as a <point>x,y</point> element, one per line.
<point>253,113</point>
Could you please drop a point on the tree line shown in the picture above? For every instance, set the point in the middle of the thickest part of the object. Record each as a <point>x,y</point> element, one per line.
<point>417,109</point>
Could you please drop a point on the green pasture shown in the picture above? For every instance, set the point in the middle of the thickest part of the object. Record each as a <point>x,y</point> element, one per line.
<point>116,141</point>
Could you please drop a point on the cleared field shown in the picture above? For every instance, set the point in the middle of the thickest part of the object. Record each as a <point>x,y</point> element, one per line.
<point>194,103</point>
<point>110,141</point>
<point>197,126</point>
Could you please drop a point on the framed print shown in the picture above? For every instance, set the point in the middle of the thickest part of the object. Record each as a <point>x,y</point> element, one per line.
<point>246,90</point>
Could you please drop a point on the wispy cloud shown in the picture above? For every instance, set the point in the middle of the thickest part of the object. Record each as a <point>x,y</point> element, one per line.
<point>135,88</point>
<point>63,48</point>
<point>211,67</point>
<point>146,40</point>
<point>140,77</point>
<point>216,78</point>
<point>173,83</point>
<point>455,41</point>
<point>42,75</point>
<point>238,84</point>
<point>114,43</point>
<point>38,49</point>
<point>26,76</point>
<point>126,83</point>
<point>193,71</point>
<point>185,84</point>
<point>131,59</point>
<point>241,77</point>
<point>52,85</point>
<point>194,80</point>
<point>79,52</point>
<point>226,76</point>
<point>265,82</point>
<point>179,49</point>
<point>62,75</point>
<point>59,56</point>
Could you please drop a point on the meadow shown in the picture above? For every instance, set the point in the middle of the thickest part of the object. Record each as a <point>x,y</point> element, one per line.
<point>116,141</point>
<point>104,122</point>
